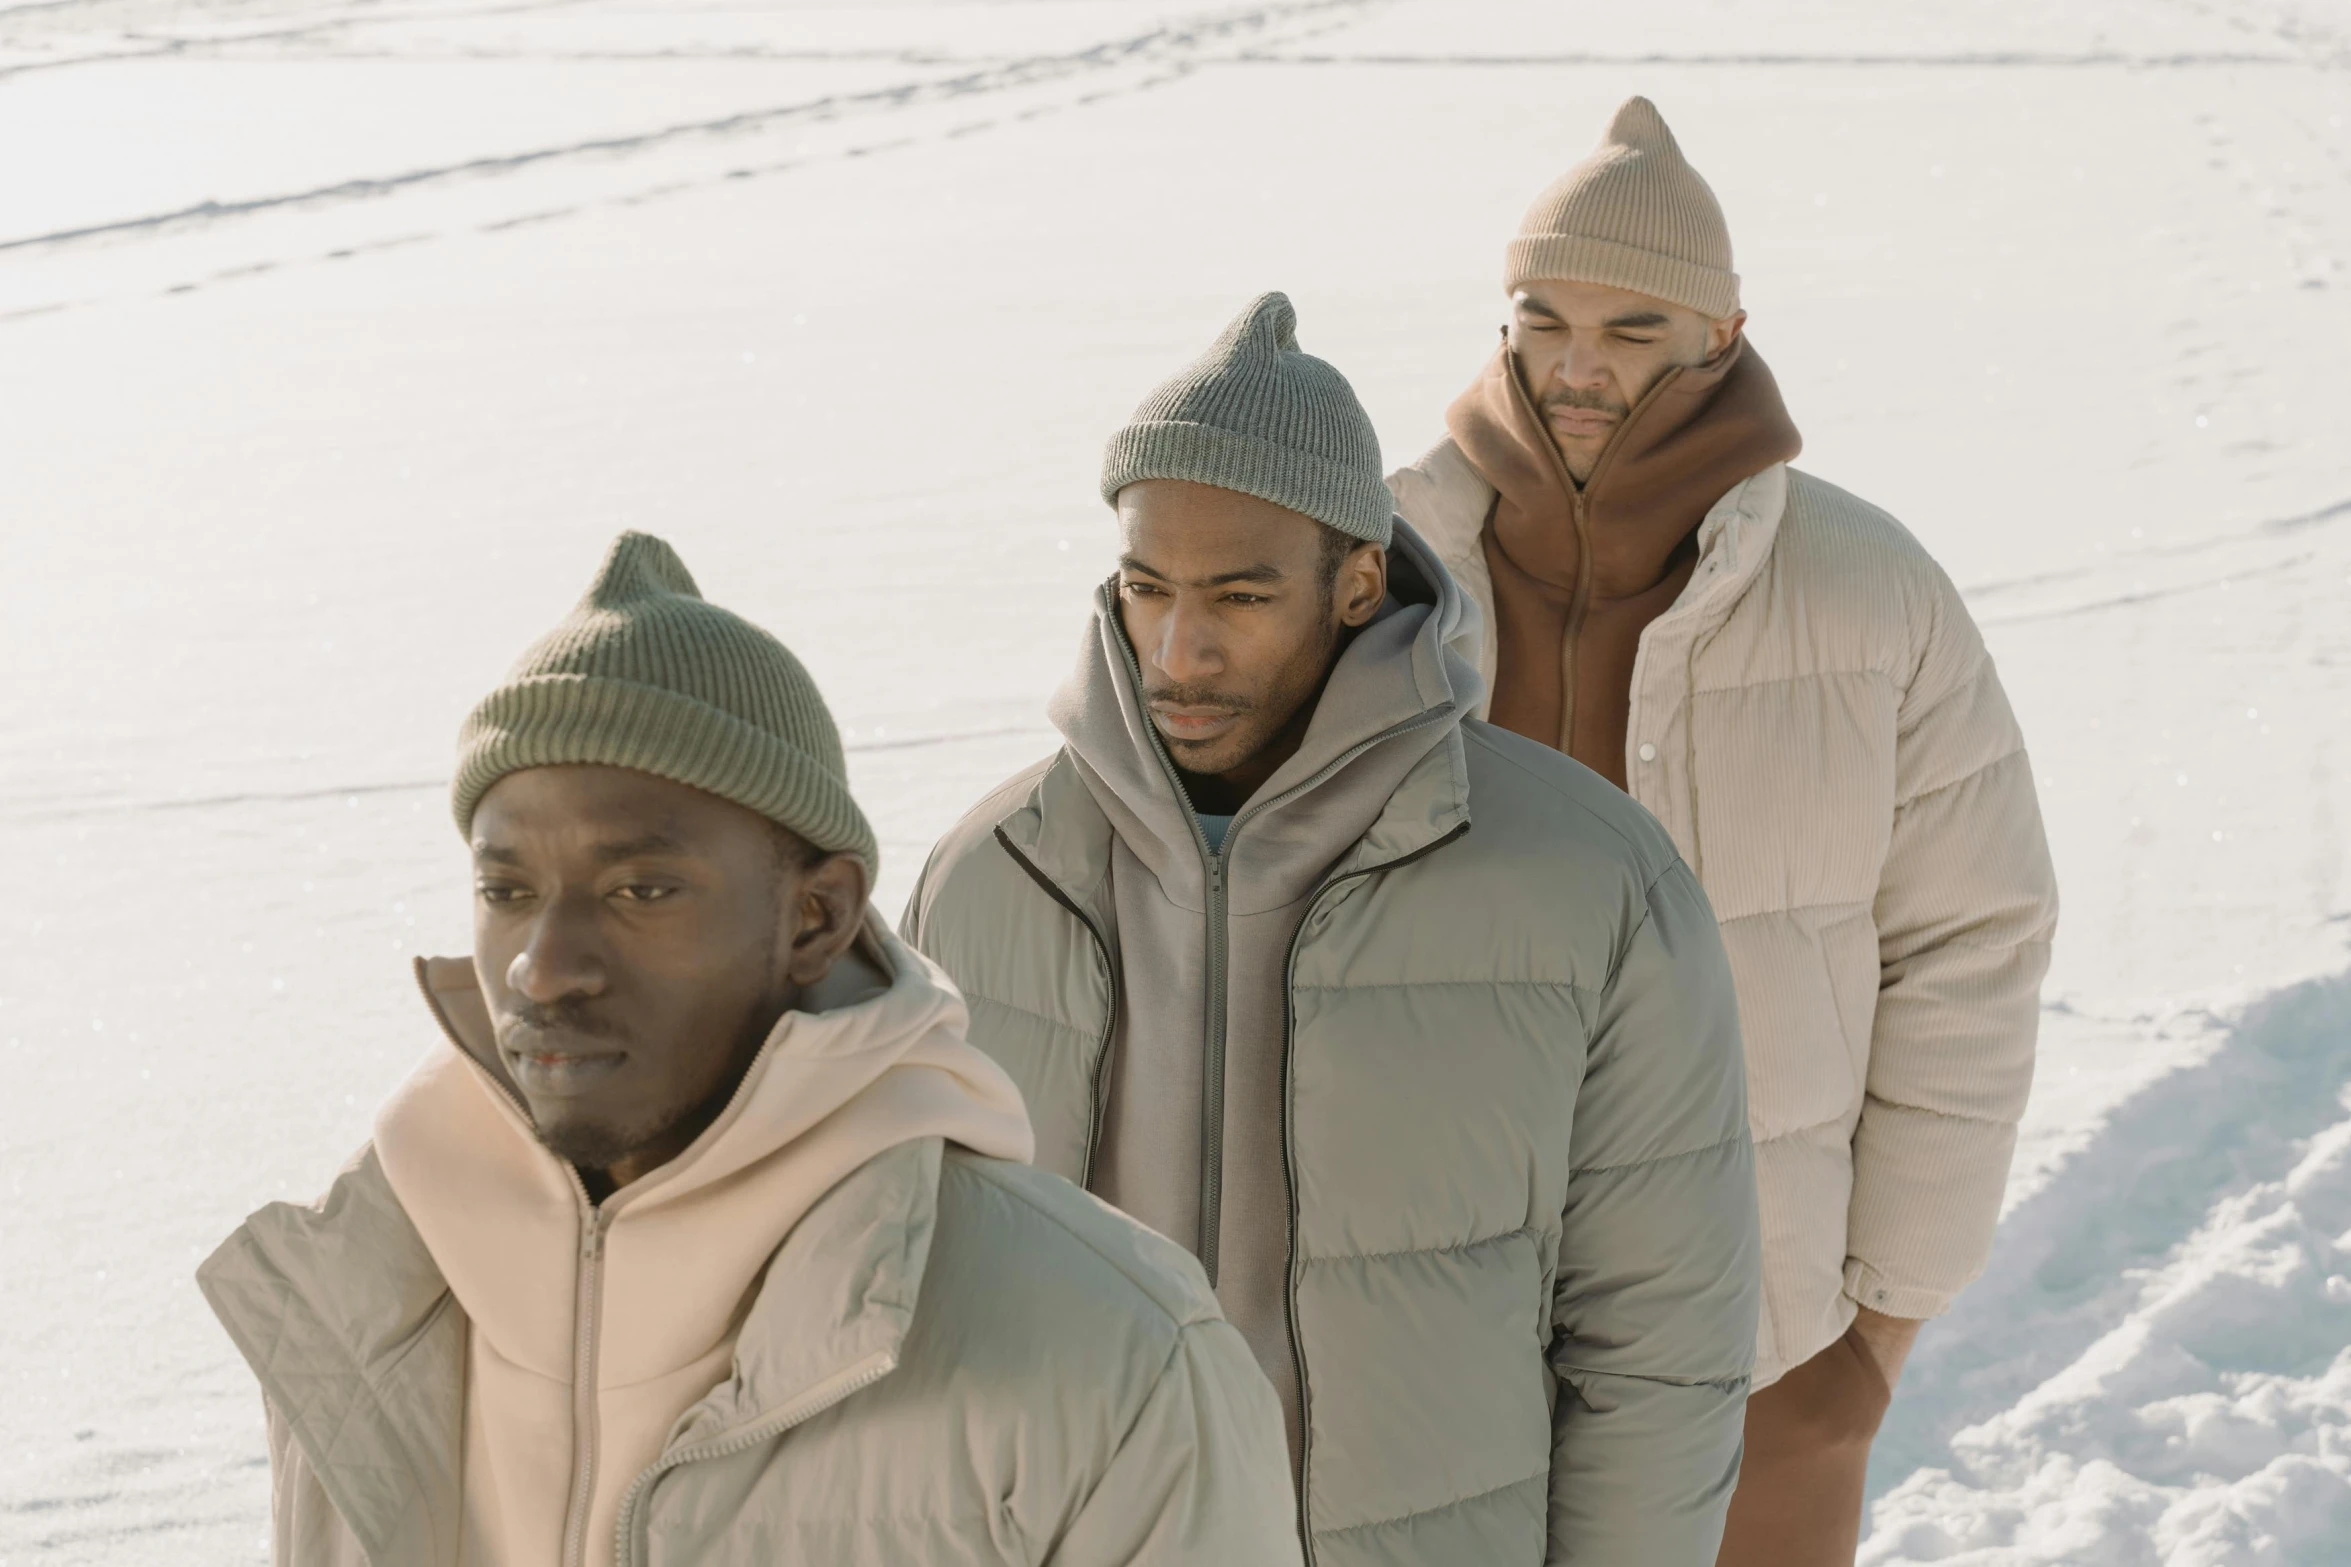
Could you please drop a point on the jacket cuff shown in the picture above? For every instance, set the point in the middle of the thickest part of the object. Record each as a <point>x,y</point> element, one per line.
<point>1866,1286</point>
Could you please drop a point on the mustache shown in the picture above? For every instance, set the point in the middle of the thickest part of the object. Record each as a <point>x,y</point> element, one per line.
<point>573,1015</point>
<point>1597,402</point>
<point>1196,696</point>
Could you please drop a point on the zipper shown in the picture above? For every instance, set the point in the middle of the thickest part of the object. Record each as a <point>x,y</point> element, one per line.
<point>1579,605</point>
<point>806,1407</point>
<point>587,1312</point>
<point>1101,1078</point>
<point>1214,1022</point>
<point>1290,1165</point>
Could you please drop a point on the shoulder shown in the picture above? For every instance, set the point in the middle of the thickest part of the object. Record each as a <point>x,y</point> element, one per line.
<point>1829,534</point>
<point>1537,804</point>
<point>1013,1229</point>
<point>1443,496</point>
<point>979,824</point>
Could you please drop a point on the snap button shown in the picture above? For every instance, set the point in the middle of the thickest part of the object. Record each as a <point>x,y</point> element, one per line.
<point>1648,752</point>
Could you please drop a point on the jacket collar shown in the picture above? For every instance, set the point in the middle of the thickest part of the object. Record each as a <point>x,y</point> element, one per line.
<point>1418,678</point>
<point>359,1345</point>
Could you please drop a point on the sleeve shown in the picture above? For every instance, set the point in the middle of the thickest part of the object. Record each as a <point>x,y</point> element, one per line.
<point>1660,1256</point>
<point>305,1530</point>
<point>1965,911</point>
<point>1202,1479</point>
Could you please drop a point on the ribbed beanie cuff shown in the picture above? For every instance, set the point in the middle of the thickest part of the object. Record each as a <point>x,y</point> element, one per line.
<point>1259,415</point>
<point>1634,215</point>
<point>645,674</point>
<point>1356,503</point>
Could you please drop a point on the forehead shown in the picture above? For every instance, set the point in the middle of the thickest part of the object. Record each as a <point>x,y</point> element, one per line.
<point>591,807</point>
<point>1180,528</point>
<point>1594,304</point>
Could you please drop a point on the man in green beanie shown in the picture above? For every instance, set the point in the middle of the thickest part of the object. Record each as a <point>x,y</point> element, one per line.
<point>704,1234</point>
<point>1782,674</point>
<point>1417,1033</point>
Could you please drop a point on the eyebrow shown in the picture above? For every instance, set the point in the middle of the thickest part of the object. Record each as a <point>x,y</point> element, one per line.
<point>1641,318</point>
<point>1258,573</point>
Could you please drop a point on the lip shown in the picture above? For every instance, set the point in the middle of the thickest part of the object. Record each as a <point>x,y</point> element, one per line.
<point>1193,723</point>
<point>561,1074</point>
<point>1581,421</point>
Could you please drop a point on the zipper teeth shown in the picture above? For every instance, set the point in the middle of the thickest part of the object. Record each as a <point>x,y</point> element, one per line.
<point>587,1307</point>
<point>805,1409</point>
<point>1290,1170</point>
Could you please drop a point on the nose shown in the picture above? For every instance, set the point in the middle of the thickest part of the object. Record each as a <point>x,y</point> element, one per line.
<point>560,958</point>
<point>1186,647</point>
<point>1583,367</point>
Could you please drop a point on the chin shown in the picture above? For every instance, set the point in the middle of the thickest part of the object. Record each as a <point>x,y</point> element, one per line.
<point>585,1140</point>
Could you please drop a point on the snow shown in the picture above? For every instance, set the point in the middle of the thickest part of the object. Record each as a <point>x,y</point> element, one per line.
<point>337,337</point>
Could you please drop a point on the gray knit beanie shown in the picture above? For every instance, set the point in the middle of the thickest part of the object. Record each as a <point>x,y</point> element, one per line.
<point>1257,415</point>
<point>1634,215</point>
<point>646,674</point>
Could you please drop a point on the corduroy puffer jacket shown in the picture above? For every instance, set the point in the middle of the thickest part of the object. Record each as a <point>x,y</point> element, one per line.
<point>1522,1265</point>
<point>1818,724</point>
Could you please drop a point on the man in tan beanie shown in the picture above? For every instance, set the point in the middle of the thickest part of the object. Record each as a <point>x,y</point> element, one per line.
<point>703,1234</point>
<point>1793,687</point>
<point>1417,1033</point>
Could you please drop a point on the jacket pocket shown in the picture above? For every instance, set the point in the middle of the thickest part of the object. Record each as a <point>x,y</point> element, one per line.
<point>1793,973</point>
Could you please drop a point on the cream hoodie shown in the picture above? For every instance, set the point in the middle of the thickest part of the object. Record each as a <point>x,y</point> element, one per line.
<point>596,1326</point>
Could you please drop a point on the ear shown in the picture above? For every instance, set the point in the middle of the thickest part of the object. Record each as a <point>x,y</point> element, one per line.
<point>828,908</point>
<point>1720,335</point>
<point>1363,584</point>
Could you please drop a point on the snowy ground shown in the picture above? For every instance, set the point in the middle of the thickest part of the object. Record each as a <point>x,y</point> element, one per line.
<point>336,338</point>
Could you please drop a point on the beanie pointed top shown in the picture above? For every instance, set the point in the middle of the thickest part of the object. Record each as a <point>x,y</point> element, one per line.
<point>644,673</point>
<point>1259,415</point>
<point>1633,215</point>
<point>638,566</point>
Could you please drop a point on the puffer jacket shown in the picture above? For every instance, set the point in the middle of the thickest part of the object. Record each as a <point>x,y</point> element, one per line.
<point>1818,724</point>
<point>1521,1272</point>
<point>949,1359</point>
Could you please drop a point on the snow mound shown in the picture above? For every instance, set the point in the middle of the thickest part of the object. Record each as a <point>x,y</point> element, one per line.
<point>2209,1422</point>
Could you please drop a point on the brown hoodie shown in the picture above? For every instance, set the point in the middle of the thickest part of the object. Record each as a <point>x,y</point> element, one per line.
<point>596,1326</point>
<point>1580,571</point>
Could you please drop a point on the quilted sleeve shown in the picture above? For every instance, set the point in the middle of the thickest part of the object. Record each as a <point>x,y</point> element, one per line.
<point>1203,1478</point>
<point>1965,910</point>
<point>1660,1256</point>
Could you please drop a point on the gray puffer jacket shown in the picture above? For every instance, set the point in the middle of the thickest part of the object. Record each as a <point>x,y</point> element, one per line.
<point>1522,1272</point>
<point>953,1359</point>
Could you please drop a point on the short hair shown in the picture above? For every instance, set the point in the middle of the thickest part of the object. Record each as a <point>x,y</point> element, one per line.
<point>793,852</point>
<point>1336,547</point>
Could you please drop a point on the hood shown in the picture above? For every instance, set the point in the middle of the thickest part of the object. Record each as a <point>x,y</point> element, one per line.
<point>1397,693</point>
<point>1689,440</point>
<point>877,1056</point>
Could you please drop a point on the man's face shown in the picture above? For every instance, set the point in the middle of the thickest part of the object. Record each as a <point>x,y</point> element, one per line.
<point>636,941</point>
<point>1235,607</point>
<point>1589,353</point>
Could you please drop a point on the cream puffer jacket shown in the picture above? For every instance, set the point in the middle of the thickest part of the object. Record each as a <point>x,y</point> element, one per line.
<point>1817,723</point>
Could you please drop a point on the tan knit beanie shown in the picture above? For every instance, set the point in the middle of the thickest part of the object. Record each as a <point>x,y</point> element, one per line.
<point>1633,215</point>
<point>647,674</point>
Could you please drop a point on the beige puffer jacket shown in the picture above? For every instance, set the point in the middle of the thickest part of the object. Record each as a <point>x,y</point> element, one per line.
<point>948,1359</point>
<point>1518,1276</point>
<point>1817,723</point>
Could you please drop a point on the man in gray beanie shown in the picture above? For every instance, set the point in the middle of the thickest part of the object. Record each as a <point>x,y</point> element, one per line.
<point>1782,674</point>
<point>703,1234</point>
<point>1417,1033</point>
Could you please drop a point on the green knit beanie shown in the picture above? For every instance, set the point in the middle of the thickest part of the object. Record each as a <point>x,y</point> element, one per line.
<point>1258,415</point>
<point>646,674</point>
